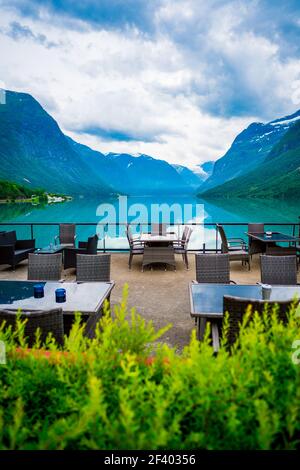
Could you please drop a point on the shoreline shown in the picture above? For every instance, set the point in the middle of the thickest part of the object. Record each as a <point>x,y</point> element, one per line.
<point>36,201</point>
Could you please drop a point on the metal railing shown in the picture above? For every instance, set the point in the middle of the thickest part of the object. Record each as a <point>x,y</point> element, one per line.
<point>294,226</point>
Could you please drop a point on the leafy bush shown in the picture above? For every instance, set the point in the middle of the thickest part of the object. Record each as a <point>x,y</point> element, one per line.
<point>124,390</point>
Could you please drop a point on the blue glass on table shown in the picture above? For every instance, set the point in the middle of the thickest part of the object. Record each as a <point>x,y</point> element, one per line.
<point>60,295</point>
<point>38,291</point>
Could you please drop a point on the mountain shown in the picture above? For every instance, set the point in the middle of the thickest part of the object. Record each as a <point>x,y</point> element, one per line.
<point>147,175</point>
<point>35,152</point>
<point>191,178</point>
<point>249,150</point>
<point>277,176</point>
<point>98,162</point>
<point>207,167</point>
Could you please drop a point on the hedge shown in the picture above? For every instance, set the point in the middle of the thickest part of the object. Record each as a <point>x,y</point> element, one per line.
<point>126,390</point>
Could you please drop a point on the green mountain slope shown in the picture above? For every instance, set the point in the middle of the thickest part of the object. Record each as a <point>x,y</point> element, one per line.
<point>34,151</point>
<point>248,150</point>
<point>277,176</point>
<point>9,190</point>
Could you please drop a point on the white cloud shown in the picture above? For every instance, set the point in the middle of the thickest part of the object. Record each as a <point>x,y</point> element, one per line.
<point>170,92</point>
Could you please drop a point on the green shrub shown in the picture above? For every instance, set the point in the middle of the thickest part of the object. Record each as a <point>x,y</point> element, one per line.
<point>124,390</point>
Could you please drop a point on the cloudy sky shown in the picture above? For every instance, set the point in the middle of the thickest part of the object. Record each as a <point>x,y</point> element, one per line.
<point>176,79</point>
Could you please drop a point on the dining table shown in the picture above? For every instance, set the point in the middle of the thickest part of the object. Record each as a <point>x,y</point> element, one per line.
<point>271,238</point>
<point>158,249</point>
<point>85,297</point>
<point>206,300</point>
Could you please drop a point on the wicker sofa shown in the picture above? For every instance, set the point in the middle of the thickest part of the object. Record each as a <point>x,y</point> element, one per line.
<point>13,251</point>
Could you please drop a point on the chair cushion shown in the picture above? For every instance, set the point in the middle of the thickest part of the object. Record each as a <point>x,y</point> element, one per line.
<point>236,248</point>
<point>137,249</point>
<point>179,249</point>
<point>238,255</point>
<point>21,253</point>
<point>139,246</point>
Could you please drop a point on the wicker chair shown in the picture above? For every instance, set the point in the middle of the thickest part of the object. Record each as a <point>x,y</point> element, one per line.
<point>49,321</point>
<point>182,247</point>
<point>84,248</point>
<point>136,247</point>
<point>182,240</point>
<point>280,270</point>
<point>212,268</point>
<point>66,235</point>
<point>236,252</point>
<point>44,267</point>
<point>93,268</point>
<point>256,246</point>
<point>237,307</point>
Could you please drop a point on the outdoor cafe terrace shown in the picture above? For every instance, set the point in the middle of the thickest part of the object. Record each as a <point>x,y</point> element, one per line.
<point>159,295</point>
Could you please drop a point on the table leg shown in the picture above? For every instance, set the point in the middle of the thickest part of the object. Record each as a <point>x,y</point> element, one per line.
<point>201,328</point>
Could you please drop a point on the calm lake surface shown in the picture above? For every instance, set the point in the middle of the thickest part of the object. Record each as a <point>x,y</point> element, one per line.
<point>184,209</point>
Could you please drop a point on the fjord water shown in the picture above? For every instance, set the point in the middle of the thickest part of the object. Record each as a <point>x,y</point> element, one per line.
<point>84,210</point>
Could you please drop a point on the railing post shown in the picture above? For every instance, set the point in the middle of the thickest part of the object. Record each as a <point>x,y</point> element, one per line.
<point>31,231</point>
<point>105,228</point>
<point>216,238</point>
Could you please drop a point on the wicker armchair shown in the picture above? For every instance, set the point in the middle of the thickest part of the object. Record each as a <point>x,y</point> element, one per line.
<point>237,252</point>
<point>84,248</point>
<point>44,267</point>
<point>280,270</point>
<point>256,246</point>
<point>212,268</point>
<point>136,247</point>
<point>93,268</point>
<point>66,235</point>
<point>237,307</point>
<point>181,247</point>
<point>181,241</point>
<point>49,321</point>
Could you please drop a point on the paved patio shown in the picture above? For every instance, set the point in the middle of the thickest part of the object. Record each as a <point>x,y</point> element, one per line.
<point>158,295</point>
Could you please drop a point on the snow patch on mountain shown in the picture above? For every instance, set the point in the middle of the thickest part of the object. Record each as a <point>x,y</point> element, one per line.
<point>286,121</point>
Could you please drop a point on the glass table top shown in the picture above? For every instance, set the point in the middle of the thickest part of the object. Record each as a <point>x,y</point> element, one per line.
<point>207,299</point>
<point>86,297</point>
<point>273,237</point>
<point>50,249</point>
<point>149,237</point>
